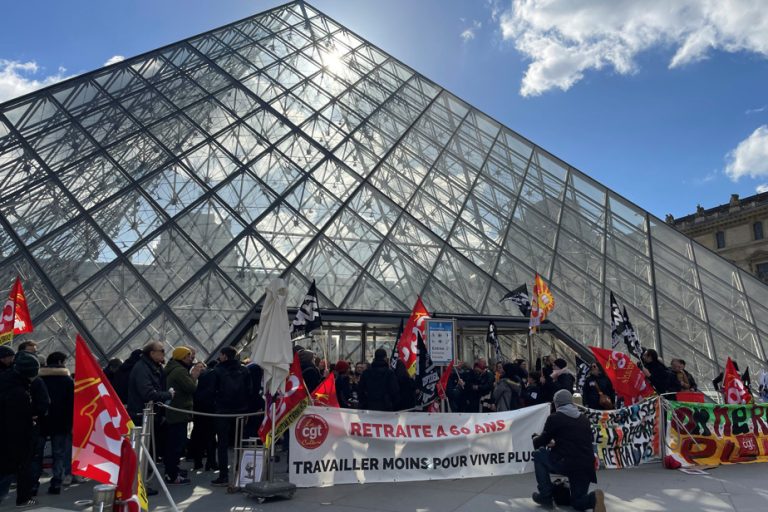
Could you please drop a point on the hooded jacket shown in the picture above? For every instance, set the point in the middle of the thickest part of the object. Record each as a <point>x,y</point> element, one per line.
<point>61,390</point>
<point>177,377</point>
<point>16,423</point>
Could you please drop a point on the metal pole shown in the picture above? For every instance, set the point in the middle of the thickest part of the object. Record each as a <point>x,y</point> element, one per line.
<point>162,481</point>
<point>530,351</point>
<point>272,446</point>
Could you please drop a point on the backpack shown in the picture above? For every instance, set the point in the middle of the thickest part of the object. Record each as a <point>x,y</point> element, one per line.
<point>561,493</point>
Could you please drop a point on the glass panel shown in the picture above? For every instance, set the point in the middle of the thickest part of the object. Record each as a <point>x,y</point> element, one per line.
<point>276,171</point>
<point>210,164</point>
<point>173,189</point>
<point>37,211</point>
<point>285,230</point>
<point>394,271</point>
<point>252,265</point>
<point>139,156</point>
<point>113,305</point>
<point>474,245</point>
<point>247,196</point>
<point>39,297</point>
<point>462,278</point>
<point>374,209</point>
<point>165,329</point>
<point>166,261</point>
<point>93,180</point>
<point>369,295</point>
<point>18,169</point>
<point>334,271</point>
<point>211,226</point>
<point>210,308</point>
<point>356,238</point>
<point>128,219</point>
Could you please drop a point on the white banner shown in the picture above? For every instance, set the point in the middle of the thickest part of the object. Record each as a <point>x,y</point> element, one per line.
<point>344,446</point>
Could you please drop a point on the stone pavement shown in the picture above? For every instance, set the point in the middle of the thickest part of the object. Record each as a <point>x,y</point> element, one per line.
<point>648,488</point>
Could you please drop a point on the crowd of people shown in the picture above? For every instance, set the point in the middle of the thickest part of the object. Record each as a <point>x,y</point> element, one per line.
<point>37,397</point>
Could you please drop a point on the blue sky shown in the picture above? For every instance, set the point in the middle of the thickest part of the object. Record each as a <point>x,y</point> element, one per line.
<point>664,102</point>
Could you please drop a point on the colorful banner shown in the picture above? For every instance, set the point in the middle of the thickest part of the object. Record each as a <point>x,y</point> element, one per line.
<point>346,446</point>
<point>15,318</point>
<point>712,434</point>
<point>627,437</point>
<point>288,406</point>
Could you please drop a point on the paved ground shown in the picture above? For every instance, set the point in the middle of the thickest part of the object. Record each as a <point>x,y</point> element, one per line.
<point>648,488</point>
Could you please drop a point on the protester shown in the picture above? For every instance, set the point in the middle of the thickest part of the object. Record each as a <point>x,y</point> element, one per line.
<point>57,424</point>
<point>6,358</point>
<point>147,382</point>
<point>181,375</point>
<point>16,428</point>
<point>506,393</point>
<point>717,381</point>
<point>598,392</point>
<point>378,389</point>
<point>122,377</point>
<point>110,371</point>
<point>532,394</point>
<point>547,385</point>
<point>343,384</point>
<point>662,378</point>
<point>310,372</point>
<point>256,401</point>
<point>203,440</point>
<point>686,380</point>
<point>233,388</point>
<point>572,455</point>
<point>407,385</point>
<point>562,376</point>
<point>479,385</point>
<point>456,388</point>
<point>41,402</point>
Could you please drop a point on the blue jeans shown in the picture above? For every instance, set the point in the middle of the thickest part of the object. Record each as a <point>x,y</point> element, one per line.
<point>544,465</point>
<point>61,452</point>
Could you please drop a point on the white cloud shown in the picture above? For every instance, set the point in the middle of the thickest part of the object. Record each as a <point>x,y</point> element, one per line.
<point>756,110</point>
<point>18,78</point>
<point>564,39</point>
<point>750,158</point>
<point>114,60</point>
<point>469,33</point>
<point>761,188</point>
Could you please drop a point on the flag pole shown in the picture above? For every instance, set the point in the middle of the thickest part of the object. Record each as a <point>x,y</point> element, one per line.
<point>271,472</point>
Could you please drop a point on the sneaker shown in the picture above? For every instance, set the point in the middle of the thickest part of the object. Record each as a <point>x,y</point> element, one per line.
<point>179,480</point>
<point>599,501</point>
<point>54,490</point>
<point>28,503</point>
<point>220,482</point>
<point>542,501</point>
<point>67,481</point>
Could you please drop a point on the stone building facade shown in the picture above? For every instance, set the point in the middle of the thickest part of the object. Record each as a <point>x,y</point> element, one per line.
<point>735,230</point>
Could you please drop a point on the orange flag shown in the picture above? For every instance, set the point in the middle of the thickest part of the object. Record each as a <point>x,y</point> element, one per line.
<point>733,387</point>
<point>407,349</point>
<point>542,302</point>
<point>325,394</point>
<point>99,422</point>
<point>15,319</point>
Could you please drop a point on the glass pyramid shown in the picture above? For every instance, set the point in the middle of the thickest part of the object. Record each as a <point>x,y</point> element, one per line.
<point>157,197</point>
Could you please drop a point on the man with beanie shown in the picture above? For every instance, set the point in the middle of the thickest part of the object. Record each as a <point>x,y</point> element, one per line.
<point>181,376</point>
<point>6,357</point>
<point>16,428</point>
<point>378,386</point>
<point>572,455</point>
<point>57,424</point>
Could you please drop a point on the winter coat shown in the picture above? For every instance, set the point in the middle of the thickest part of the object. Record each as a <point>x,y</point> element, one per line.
<point>506,395</point>
<point>61,390</point>
<point>573,443</point>
<point>177,377</point>
<point>563,379</point>
<point>256,402</point>
<point>378,389</point>
<point>309,371</point>
<point>484,382</point>
<point>233,386</point>
<point>41,400</point>
<point>16,423</point>
<point>590,393</point>
<point>662,378</point>
<point>205,394</point>
<point>122,379</point>
<point>146,384</point>
<point>407,385</point>
<point>532,395</point>
<point>343,390</point>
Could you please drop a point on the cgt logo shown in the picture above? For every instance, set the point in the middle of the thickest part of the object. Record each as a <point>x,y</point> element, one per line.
<point>311,431</point>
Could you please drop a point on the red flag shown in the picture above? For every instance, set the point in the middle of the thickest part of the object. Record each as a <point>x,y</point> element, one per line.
<point>99,421</point>
<point>733,387</point>
<point>542,302</point>
<point>627,379</point>
<point>15,319</point>
<point>407,349</point>
<point>325,394</point>
<point>442,384</point>
<point>289,405</point>
<point>126,479</point>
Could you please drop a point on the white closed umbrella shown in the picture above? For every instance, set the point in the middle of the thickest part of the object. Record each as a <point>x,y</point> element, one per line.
<point>272,349</point>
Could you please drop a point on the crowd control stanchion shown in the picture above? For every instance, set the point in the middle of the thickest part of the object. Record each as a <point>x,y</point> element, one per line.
<point>167,493</point>
<point>146,439</point>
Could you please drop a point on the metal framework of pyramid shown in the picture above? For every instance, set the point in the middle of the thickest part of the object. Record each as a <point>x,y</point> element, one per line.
<point>157,197</point>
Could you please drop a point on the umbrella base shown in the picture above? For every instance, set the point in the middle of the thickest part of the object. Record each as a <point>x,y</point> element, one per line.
<point>266,490</point>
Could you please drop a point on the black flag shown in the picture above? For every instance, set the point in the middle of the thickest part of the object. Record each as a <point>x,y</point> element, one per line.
<point>617,323</point>
<point>520,297</point>
<point>631,340</point>
<point>746,380</point>
<point>308,315</point>
<point>493,339</point>
<point>393,359</point>
<point>426,376</point>
<point>581,375</point>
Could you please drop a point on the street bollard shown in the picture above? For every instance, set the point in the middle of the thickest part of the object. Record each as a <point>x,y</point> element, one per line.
<point>103,497</point>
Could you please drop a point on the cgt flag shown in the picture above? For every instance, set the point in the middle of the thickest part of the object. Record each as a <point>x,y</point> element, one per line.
<point>542,303</point>
<point>442,384</point>
<point>407,345</point>
<point>627,379</point>
<point>308,315</point>
<point>520,297</point>
<point>289,405</point>
<point>325,394</point>
<point>99,421</point>
<point>15,319</point>
<point>734,390</point>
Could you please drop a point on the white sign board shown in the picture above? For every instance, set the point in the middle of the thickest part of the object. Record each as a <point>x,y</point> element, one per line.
<point>344,446</point>
<point>251,467</point>
<point>440,339</point>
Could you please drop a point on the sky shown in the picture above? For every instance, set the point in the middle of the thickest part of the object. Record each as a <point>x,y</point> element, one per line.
<point>664,102</point>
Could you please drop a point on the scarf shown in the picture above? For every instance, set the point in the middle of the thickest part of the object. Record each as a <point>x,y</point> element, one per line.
<point>569,410</point>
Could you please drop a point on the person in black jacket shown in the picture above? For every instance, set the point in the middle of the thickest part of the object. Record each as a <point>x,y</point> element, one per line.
<point>532,394</point>
<point>562,377</point>
<point>480,384</point>
<point>57,424</point>
<point>16,428</point>
<point>407,387</point>
<point>378,389</point>
<point>686,380</point>
<point>310,372</point>
<point>203,438</point>
<point>110,371</point>
<point>6,357</point>
<point>343,385</point>
<point>595,383</point>
<point>232,382</point>
<point>122,378</point>
<point>571,455</point>
<point>662,378</point>
<point>147,382</point>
